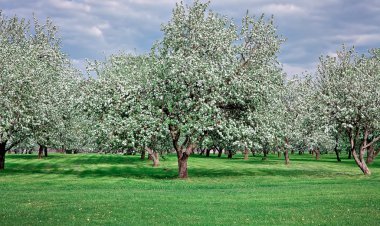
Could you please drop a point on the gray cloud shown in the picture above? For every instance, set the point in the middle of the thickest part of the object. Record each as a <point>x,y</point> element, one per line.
<point>96,28</point>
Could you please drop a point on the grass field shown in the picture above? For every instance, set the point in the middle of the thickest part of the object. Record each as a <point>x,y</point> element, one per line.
<point>88,189</point>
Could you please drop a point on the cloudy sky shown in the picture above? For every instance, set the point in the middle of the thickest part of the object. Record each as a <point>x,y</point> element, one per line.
<point>93,29</point>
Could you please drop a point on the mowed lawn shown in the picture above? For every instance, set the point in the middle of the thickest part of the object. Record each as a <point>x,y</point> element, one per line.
<point>98,189</point>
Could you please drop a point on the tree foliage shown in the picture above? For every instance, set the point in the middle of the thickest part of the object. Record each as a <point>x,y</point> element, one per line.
<point>350,98</point>
<point>33,77</point>
<point>208,83</point>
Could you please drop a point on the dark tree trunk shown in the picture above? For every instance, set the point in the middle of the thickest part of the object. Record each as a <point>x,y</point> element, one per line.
<point>208,152</point>
<point>336,148</point>
<point>279,154</point>
<point>292,151</point>
<point>229,154</point>
<point>253,152</point>
<point>2,155</point>
<point>337,156</point>
<point>265,155</point>
<point>300,152</point>
<point>246,153</point>
<point>352,143</point>
<point>40,152</point>
<point>142,157</point>
<point>286,152</point>
<point>45,151</point>
<point>370,154</point>
<point>220,151</point>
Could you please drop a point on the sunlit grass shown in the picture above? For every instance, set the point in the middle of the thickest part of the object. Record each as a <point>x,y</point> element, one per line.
<point>124,190</point>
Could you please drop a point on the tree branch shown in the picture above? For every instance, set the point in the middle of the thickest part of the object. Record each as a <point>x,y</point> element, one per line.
<point>372,142</point>
<point>189,149</point>
<point>13,144</point>
<point>186,142</point>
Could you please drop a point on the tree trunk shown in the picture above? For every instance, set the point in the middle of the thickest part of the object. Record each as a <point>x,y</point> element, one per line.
<point>286,154</point>
<point>155,157</point>
<point>360,159</point>
<point>337,156</point>
<point>2,155</point>
<point>220,151</point>
<point>265,155</point>
<point>246,152</point>
<point>183,151</point>
<point>365,169</point>
<point>182,166</point>
<point>361,163</point>
<point>253,152</point>
<point>292,151</point>
<point>336,148</point>
<point>371,154</point>
<point>279,154</point>
<point>208,152</point>
<point>142,157</point>
<point>317,154</point>
<point>229,154</point>
<point>40,151</point>
<point>45,151</point>
<point>350,154</point>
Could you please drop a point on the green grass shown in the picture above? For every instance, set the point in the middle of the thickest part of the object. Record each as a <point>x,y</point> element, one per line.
<point>89,189</point>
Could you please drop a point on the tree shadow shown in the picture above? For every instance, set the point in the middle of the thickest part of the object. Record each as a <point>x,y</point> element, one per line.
<point>107,159</point>
<point>85,166</point>
<point>33,156</point>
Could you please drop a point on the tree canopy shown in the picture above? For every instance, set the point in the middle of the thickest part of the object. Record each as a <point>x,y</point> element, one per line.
<point>210,82</point>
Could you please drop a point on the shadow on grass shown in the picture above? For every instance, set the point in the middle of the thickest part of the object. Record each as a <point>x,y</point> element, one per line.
<point>86,166</point>
<point>101,172</point>
<point>33,156</point>
<point>273,159</point>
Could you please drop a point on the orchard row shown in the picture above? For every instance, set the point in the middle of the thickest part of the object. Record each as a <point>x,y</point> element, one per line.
<point>207,84</point>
